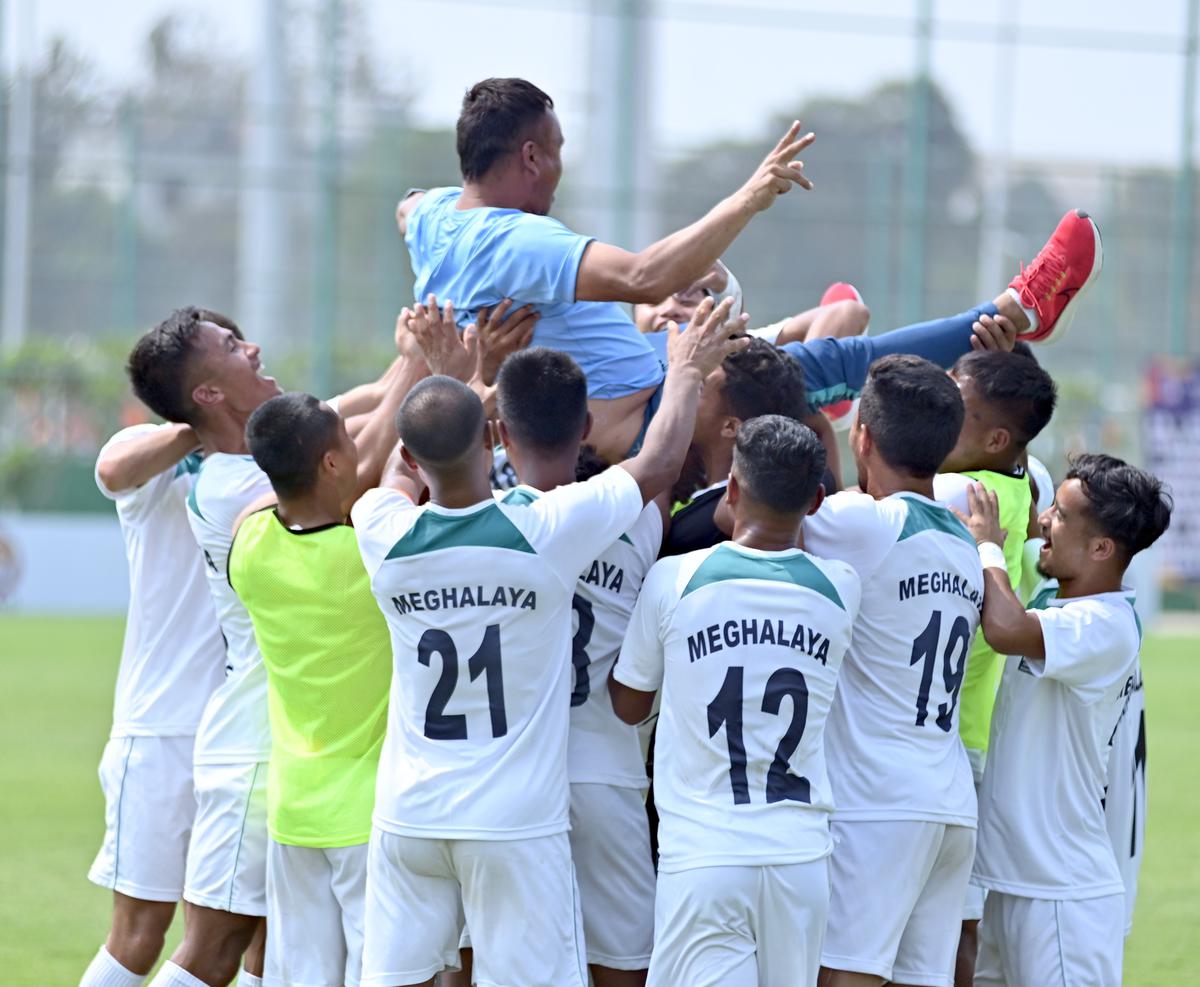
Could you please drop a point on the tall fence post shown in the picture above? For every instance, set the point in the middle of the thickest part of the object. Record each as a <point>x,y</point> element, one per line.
<point>916,173</point>
<point>325,246</point>
<point>1181,219</point>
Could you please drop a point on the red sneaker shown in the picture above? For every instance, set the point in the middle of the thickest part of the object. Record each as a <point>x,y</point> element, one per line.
<point>841,414</point>
<point>840,291</point>
<point>1060,275</point>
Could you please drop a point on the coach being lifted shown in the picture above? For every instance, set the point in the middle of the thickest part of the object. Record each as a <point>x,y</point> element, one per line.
<point>492,239</point>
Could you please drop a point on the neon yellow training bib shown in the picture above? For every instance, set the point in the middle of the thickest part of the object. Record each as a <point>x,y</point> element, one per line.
<point>328,656</point>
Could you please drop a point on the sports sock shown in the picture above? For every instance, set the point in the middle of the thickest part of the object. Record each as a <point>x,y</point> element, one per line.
<point>1029,312</point>
<point>172,975</point>
<point>248,979</point>
<point>105,971</point>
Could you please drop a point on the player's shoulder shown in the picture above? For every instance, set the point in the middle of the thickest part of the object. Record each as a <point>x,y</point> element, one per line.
<point>225,484</point>
<point>920,515</point>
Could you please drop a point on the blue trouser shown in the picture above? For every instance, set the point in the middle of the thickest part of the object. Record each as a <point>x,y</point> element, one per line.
<point>836,369</point>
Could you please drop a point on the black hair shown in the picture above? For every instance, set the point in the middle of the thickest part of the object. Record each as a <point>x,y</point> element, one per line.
<point>541,396</point>
<point>913,411</point>
<point>1129,505</point>
<point>1015,386</point>
<point>159,363</point>
<point>779,463</point>
<point>1022,348</point>
<point>763,380</point>
<point>590,463</point>
<point>287,436</point>
<point>497,117</point>
<point>440,421</point>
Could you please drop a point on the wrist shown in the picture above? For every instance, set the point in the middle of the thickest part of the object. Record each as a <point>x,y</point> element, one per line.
<point>991,556</point>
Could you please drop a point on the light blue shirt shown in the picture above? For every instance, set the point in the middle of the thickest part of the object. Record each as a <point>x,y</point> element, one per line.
<point>478,257</point>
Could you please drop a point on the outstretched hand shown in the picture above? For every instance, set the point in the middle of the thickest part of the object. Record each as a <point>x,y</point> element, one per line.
<point>501,332</point>
<point>983,521</point>
<point>708,339</point>
<point>779,170</point>
<point>993,332</point>
<point>436,333</point>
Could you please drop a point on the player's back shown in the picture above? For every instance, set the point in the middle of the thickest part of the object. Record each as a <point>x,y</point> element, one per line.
<point>478,257</point>
<point>235,727</point>
<point>1125,801</point>
<point>478,601</point>
<point>172,656</point>
<point>892,740</point>
<point>750,645</point>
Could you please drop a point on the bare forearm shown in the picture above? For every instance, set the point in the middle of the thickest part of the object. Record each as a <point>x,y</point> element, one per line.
<point>135,462</point>
<point>661,458</point>
<point>1007,626</point>
<point>631,705</point>
<point>377,438</point>
<point>677,260</point>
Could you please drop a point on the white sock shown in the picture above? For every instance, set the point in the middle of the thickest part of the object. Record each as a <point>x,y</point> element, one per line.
<point>172,975</point>
<point>248,979</point>
<point>105,971</point>
<point>1031,313</point>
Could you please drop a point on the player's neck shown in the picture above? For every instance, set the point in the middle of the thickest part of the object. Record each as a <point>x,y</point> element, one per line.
<point>456,491</point>
<point>547,474</point>
<point>767,533</point>
<point>316,510</point>
<point>883,482</point>
<point>223,433</point>
<point>1004,463</point>
<point>1093,582</point>
<point>495,194</point>
<point>718,461</point>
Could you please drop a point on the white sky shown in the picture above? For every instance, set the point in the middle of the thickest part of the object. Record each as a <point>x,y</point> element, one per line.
<point>722,66</point>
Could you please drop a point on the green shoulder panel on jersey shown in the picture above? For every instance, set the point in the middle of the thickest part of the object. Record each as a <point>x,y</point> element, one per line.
<point>1136,618</point>
<point>191,502</point>
<point>189,464</point>
<point>725,563</point>
<point>488,528</point>
<point>1042,598</point>
<point>927,517</point>
<point>523,498</point>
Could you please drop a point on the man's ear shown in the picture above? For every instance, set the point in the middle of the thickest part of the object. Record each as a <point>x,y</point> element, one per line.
<point>998,440</point>
<point>1102,549</point>
<point>502,429</point>
<point>733,491</point>
<point>531,157</point>
<point>729,426</point>
<point>587,427</point>
<point>818,500</point>
<point>411,463</point>
<point>205,395</point>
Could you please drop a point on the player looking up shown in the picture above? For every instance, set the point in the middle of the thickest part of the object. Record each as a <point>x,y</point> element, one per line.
<point>493,238</point>
<point>171,660</point>
<point>198,370</point>
<point>905,826</point>
<point>327,653</point>
<point>745,640</point>
<point>1055,911</point>
<point>472,803</point>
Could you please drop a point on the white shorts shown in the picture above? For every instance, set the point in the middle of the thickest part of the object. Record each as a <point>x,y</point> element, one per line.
<point>610,844</point>
<point>1050,943</point>
<point>149,806</point>
<point>227,858</point>
<point>315,901</point>
<point>973,902</point>
<point>896,905</point>
<point>740,926</point>
<point>518,897</point>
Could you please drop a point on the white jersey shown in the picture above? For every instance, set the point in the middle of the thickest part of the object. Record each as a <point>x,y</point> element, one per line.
<point>1041,819</point>
<point>172,657</point>
<point>234,729</point>
<point>892,741</point>
<point>746,646</point>
<point>1125,795</point>
<point>478,601</point>
<point>601,749</point>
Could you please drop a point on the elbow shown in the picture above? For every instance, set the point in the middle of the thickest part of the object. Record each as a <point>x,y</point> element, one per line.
<point>646,287</point>
<point>111,475</point>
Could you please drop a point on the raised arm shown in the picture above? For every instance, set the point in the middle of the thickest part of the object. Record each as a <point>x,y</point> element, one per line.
<point>691,357</point>
<point>1007,626</point>
<point>135,461</point>
<point>610,274</point>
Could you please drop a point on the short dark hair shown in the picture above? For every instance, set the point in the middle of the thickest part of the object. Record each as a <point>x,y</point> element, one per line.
<point>779,462</point>
<point>1022,348</point>
<point>497,116</point>
<point>541,395</point>
<point>159,363</point>
<point>913,411</point>
<point>1129,505</point>
<point>763,380</point>
<point>440,421</point>
<point>287,436</point>
<point>1015,386</point>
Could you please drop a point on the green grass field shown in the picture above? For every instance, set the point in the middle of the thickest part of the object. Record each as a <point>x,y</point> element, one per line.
<point>56,680</point>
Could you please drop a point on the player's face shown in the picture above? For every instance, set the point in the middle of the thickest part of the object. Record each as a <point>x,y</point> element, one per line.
<point>1068,532</point>
<point>230,371</point>
<point>549,159</point>
<point>856,447</point>
<point>972,446</point>
<point>345,455</point>
<point>681,306</point>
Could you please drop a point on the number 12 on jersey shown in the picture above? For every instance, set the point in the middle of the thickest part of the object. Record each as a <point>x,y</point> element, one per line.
<point>726,710</point>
